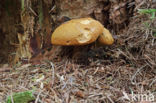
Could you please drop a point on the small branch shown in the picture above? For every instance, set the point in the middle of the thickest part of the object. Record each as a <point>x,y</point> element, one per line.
<point>138,70</point>
<point>53,73</point>
<point>36,101</point>
<point>32,11</point>
<point>12,101</point>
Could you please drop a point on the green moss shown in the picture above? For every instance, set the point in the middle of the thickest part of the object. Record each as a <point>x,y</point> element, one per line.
<point>22,97</point>
<point>148,11</point>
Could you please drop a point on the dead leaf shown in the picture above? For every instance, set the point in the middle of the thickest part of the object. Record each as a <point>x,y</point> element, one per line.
<point>79,94</point>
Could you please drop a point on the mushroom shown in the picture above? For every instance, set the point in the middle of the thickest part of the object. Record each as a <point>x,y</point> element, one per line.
<point>81,32</point>
<point>106,38</point>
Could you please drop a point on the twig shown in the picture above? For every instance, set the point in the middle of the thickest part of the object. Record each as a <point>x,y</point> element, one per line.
<point>108,96</point>
<point>32,11</point>
<point>52,9</point>
<point>154,81</point>
<point>53,73</point>
<point>96,70</point>
<point>139,5</point>
<point>12,101</point>
<point>137,73</point>
<point>38,97</point>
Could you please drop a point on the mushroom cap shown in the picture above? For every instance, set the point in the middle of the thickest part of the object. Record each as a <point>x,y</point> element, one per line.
<point>77,32</point>
<point>106,38</point>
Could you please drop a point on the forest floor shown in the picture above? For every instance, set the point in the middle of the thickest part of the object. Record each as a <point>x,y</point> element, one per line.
<point>122,73</point>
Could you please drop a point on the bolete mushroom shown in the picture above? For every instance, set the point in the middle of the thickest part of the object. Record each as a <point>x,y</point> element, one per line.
<point>105,38</point>
<point>81,32</point>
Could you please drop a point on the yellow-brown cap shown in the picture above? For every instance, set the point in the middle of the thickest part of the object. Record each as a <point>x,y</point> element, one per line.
<point>106,38</point>
<point>77,32</point>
